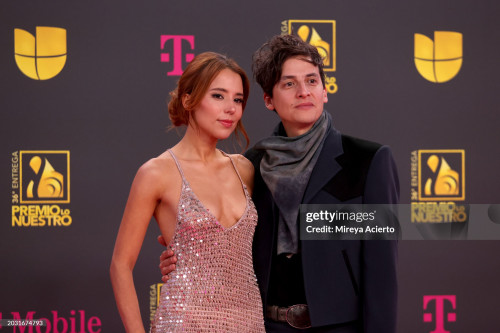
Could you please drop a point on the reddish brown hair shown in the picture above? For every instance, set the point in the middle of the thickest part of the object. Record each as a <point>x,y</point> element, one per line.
<point>196,80</point>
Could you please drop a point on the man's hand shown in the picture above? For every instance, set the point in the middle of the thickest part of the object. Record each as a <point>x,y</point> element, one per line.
<point>167,261</point>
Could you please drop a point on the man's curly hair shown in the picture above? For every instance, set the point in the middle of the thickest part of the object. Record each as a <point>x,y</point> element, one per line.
<point>268,60</point>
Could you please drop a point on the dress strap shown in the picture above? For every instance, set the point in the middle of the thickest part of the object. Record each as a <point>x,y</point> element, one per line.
<point>235,169</point>
<point>178,165</point>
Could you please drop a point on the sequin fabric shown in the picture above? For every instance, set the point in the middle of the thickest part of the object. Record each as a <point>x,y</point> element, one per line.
<point>214,288</point>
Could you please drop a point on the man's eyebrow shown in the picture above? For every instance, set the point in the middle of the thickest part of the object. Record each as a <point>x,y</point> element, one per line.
<point>225,90</point>
<point>312,74</point>
<point>286,77</point>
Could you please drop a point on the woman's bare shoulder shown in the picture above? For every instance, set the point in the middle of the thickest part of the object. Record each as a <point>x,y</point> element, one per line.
<point>157,171</point>
<point>245,168</point>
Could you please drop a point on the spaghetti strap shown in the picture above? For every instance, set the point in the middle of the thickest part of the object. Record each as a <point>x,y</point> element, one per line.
<point>178,166</point>
<point>235,169</point>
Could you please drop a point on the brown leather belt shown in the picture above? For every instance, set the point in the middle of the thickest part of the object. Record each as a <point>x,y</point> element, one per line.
<point>296,316</point>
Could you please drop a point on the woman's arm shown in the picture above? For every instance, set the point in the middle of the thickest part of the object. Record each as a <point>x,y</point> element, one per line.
<point>144,196</point>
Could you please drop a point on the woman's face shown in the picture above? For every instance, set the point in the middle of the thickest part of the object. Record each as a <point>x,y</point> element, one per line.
<point>221,107</point>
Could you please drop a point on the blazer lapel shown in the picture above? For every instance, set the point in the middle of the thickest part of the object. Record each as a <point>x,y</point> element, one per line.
<point>326,166</point>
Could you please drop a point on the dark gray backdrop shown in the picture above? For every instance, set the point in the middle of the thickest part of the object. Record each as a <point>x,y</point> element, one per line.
<point>108,108</point>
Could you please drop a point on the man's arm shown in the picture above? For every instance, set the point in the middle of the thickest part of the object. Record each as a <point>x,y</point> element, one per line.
<point>379,260</point>
<point>167,260</point>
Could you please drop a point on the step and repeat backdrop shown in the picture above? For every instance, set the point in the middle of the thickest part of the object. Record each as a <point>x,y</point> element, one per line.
<point>84,88</point>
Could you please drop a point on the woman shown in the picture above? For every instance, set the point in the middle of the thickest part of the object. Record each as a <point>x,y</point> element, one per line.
<point>201,200</point>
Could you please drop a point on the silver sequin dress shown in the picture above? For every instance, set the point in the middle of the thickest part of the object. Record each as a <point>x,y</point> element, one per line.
<point>214,288</point>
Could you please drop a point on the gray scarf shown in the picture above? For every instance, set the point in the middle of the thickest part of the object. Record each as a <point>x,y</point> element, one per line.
<point>286,167</point>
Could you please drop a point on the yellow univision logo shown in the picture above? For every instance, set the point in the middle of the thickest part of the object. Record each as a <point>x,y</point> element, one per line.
<point>440,60</point>
<point>41,57</point>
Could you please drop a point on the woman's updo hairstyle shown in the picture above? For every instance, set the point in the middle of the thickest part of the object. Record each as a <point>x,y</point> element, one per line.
<point>195,81</point>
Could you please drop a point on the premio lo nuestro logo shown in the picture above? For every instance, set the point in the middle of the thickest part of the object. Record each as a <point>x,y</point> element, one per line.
<point>439,60</point>
<point>154,299</point>
<point>44,177</point>
<point>43,56</point>
<point>40,188</point>
<point>441,175</point>
<point>438,189</point>
<point>322,35</point>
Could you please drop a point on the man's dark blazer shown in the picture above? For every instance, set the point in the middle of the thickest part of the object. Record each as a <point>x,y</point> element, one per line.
<point>344,280</point>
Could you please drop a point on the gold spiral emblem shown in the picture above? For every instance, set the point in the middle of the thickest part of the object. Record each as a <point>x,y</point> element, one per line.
<point>447,179</point>
<point>312,37</point>
<point>51,183</point>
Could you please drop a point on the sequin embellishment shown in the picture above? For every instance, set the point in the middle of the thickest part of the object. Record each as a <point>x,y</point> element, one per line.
<point>214,288</point>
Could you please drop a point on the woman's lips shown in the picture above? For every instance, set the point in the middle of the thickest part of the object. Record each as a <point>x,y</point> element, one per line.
<point>226,123</point>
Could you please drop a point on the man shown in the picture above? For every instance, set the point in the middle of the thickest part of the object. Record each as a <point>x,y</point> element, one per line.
<point>315,286</point>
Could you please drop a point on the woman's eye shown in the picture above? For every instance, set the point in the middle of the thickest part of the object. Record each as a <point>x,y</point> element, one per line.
<point>289,84</point>
<point>239,100</point>
<point>218,96</point>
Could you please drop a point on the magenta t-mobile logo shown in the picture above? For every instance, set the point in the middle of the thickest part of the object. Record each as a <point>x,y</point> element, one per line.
<point>177,53</point>
<point>439,312</point>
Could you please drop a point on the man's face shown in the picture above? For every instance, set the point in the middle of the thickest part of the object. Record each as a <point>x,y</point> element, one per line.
<point>298,96</point>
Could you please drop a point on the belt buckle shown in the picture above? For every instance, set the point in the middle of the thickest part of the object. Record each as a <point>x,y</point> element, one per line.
<point>297,316</point>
